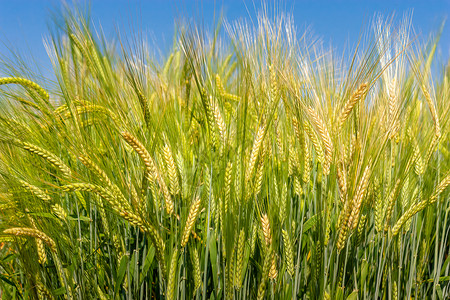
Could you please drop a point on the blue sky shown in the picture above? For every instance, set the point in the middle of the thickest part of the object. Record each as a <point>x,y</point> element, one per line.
<point>24,23</point>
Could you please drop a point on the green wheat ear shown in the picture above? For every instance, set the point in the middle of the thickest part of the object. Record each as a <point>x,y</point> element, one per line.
<point>27,84</point>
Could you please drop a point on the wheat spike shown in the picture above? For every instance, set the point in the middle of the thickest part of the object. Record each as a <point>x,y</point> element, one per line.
<point>151,170</point>
<point>255,152</point>
<point>50,157</point>
<point>172,274</point>
<point>315,141</point>
<point>266,229</point>
<point>325,136</point>
<point>421,205</point>
<point>239,260</point>
<point>359,195</point>
<point>390,202</point>
<point>288,253</point>
<point>25,83</point>
<point>346,110</point>
<point>190,221</point>
<point>174,184</point>
<point>31,232</point>
<point>196,271</point>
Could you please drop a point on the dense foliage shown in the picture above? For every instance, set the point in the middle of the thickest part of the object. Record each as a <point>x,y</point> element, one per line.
<point>251,163</point>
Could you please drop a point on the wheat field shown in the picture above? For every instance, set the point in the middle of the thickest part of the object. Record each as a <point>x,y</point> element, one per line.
<point>251,162</point>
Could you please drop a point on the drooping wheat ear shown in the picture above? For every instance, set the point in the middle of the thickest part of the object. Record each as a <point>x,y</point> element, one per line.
<point>59,211</point>
<point>172,169</point>
<point>47,155</point>
<point>239,260</point>
<point>255,151</point>
<point>357,95</point>
<point>265,225</point>
<point>42,256</point>
<point>325,136</point>
<point>421,205</point>
<point>87,107</point>
<point>196,271</point>
<point>389,204</point>
<point>102,192</point>
<point>40,194</point>
<point>27,84</point>
<point>358,198</point>
<point>227,181</point>
<point>93,167</point>
<point>342,182</point>
<point>31,232</point>
<point>152,172</point>
<point>315,141</point>
<point>288,252</point>
<point>172,274</point>
<point>194,211</point>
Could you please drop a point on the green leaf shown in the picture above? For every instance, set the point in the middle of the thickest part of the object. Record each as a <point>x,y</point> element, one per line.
<point>353,295</point>
<point>121,273</point>
<point>148,262</point>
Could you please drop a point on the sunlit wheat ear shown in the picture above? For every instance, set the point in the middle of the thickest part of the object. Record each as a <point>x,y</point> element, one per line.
<point>151,170</point>
<point>325,136</point>
<point>174,184</point>
<point>274,84</point>
<point>346,110</point>
<point>358,198</point>
<point>421,205</point>
<point>265,276</point>
<point>393,110</point>
<point>433,111</point>
<point>194,211</point>
<point>172,276</point>
<point>31,232</point>
<point>220,124</point>
<point>389,204</point>
<point>239,260</point>
<point>257,144</point>
<point>342,182</point>
<point>47,155</point>
<point>35,191</point>
<point>315,141</point>
<point>25,83</point>
<point>265,225</point>
<point>197,271</point>
<point>227,182</point>
<point>288,253</point>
